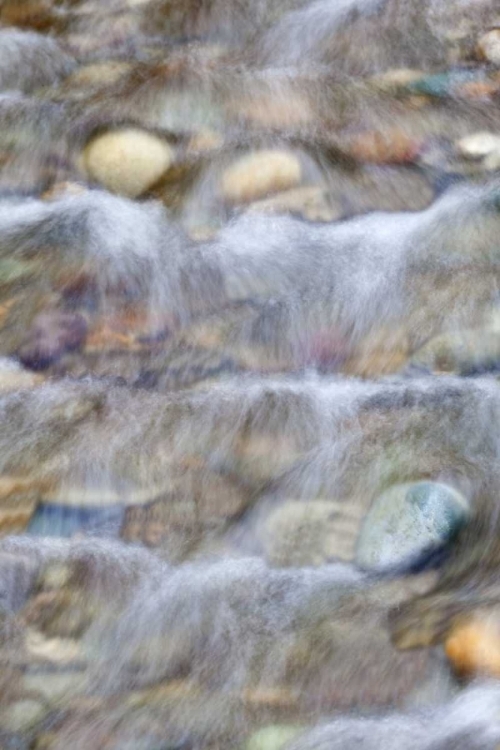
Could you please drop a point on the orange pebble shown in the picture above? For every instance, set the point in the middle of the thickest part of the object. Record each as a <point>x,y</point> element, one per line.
<point>474,647</point>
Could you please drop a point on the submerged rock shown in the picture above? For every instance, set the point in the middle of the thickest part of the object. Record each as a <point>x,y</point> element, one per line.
<point>273,737</point>
<point>489,46</point>
<point>128,161</point>
<point>408,521</point>
<point>473,646</point>
<point>478,145</point>
<point>310,202</point>
<point>310,532</point>
<point>63,521</point>
<point>22,715</point>
<point>51,334</point>
<point>256,175</point>
<point>391,146</point>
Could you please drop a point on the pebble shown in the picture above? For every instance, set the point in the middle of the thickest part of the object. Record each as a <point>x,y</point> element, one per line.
<point>489,46</point>
<point>446,84</point>
<point>127,162</point>
<point>273,737</point>
<point>260,173</point>
<point>474,647</point>
<point>51,335</point>
<point>310,202</point>
<point>408,521</point>
<point>391,146</point>
<point>63,521</point>
<point>14,378</point>
<point>299,533</point>
<point>478,145</point>
<point>18,500</point>
<point>397,78</point>
<point>57,651</point>
<point>469,351</point>
<point>20,716</point>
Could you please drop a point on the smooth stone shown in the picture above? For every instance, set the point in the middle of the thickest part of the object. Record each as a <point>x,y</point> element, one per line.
<point>395,79</point>
<point>57,686</point>
<point>473,647</point>
<point>310,202</point>
<point>98,74</point>
<point>478,145</point>
<point>390,146</point>
<point>273,737</point>
<point>447,84</point>
<point>61,520</point>
<point>127,162</point>
<point>13,377</point>
<point>50,336</point>
<point>56,651</point>
<point>20,716</point>
<point>18,500</point>
<point>260,173</point>
<point>300,533</point>
<point>470,351</point>
<point>489,46</point>
<point>408,521</point>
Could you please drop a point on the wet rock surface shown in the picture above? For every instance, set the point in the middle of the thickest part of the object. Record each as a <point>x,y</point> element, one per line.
<point>249,356</point>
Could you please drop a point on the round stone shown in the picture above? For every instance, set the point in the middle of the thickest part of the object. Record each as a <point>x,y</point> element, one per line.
<point>273,737</point>
<point>407,522</point>
<point>478,145</point>
<point>127,162</point>
<point>489,46</point>
<point>259,174</point>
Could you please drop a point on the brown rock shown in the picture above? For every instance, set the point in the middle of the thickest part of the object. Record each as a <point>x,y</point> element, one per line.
<point>18,500</point>
<point>391,146</point>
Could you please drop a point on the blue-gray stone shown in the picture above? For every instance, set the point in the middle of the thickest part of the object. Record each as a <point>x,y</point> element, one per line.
<point>409,521</point>
<point>65,521</point>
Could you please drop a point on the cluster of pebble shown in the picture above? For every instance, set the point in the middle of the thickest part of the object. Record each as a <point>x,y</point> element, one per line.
<point>245,510</point>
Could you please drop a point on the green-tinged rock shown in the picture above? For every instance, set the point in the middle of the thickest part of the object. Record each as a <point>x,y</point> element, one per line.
<point>273,737</point>
<point>408,521</point>
<point>22,715</point>
<point>444,84</point>
<point>12,270</point>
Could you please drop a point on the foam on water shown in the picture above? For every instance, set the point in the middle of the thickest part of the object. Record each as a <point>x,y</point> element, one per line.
<point>209,648</point>
<point>345,280</point>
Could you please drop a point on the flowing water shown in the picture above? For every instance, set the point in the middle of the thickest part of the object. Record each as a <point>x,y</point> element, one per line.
<point>249,364</point>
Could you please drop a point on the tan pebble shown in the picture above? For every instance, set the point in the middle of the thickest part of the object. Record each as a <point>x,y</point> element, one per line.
<point>311,202</point>
<point>55,650</point>
<point>127,162</point>
<point>270,697</point>
<point>63,189</point>
<point>489,46</point>
<point>206,140</point>
<point>98,74</point>
<point>19,379</point>
<point>474,647</point>
<point>397,78</point>
<point>18,501</point>
<point>260,173</point>
<point>271,111</point>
